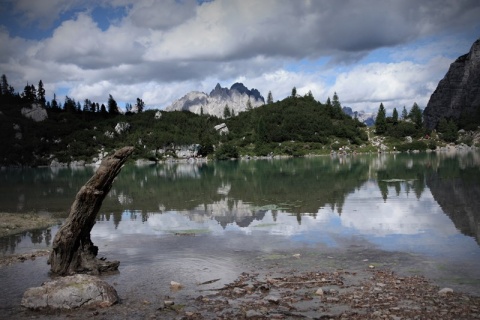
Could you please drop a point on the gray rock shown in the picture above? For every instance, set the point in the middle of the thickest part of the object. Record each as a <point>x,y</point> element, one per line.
<point>221,128</point>
<point>77,163</point>
<point>445,291</point>
<point>253,314</point>
<point>55,163</point>
<point>122,127</point>
<point>273,299</point>
<point>458,91</point>
<point>71,292</point>
<point>37,113</point>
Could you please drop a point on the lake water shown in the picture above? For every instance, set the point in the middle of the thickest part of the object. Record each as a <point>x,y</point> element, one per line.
<point>414,213</point>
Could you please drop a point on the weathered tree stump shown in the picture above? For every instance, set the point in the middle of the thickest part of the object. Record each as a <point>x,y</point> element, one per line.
<point>72,249</point>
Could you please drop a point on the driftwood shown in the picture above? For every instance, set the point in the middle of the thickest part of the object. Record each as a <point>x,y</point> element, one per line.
<point>72,249</point>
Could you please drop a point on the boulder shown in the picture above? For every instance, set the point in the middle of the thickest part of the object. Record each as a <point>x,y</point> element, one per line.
<point>71,292</point>
<point>221,129</point>
<point>37,113</point>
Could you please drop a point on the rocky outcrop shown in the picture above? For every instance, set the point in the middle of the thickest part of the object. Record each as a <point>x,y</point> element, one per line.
<point>122,127</point>
<point>237,98</point>
<point>458,92</point>
<point>37,113</point>
<point>221,128</point>
<point>70,292</point>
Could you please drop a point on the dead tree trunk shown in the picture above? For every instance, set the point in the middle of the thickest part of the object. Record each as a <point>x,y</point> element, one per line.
<point>72,249</point>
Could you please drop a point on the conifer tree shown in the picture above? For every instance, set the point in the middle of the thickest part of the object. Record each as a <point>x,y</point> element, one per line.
<point>112,105</point>
<point>416,115</point>
<point>395,116</point>
<point>41,93</point>
<point>140,105</point>
<point>380,120</point>
<point>226,112</point>
<point>404,114</point>
<point>294,92</point>
<point>269,97</point>
<point>4,86</point>
<point>54,102</point>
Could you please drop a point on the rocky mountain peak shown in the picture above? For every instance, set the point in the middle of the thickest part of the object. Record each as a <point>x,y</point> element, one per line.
<point>236,98</point>
<point>458,92</point>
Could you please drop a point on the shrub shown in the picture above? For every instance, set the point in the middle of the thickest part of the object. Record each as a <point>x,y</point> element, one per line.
<point>415,145</point>
<point>226,151</point>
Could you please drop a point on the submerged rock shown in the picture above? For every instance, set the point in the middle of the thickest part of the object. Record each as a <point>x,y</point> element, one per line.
<point>445,291</point>
<point>70,292</point>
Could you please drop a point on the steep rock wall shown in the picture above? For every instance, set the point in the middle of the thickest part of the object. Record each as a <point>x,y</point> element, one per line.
<point>458,91</point>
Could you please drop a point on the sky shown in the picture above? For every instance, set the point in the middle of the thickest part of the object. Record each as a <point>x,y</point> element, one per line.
<point>367,51</point>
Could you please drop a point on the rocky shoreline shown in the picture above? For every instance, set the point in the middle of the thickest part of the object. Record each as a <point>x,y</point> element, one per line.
<point>273,293</point>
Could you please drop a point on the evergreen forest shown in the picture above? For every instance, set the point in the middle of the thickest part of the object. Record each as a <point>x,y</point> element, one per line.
<point>294,126</point>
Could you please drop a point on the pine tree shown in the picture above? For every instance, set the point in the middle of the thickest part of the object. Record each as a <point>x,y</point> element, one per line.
<point>54,102</point>
<point>140,105</point>
<point>28,94</point>
<point>269,97</point>
<point>395,116</point>
<point>337,107</point>
<point>226,112</point>
<point>442,125</point>
<point>404,114</point>
<point>380,120</point>
<point>4,86</point>
<point>112,105</point>
<point>41,93</point>
<point>416,115</point>
<point>451,132</point>
<point>294,92</point>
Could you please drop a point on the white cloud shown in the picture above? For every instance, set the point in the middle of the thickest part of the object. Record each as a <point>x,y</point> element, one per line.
<point>364,87</point>
<point>162,50</point>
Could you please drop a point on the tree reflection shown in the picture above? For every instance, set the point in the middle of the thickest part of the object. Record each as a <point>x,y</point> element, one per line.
<point>242,192</point>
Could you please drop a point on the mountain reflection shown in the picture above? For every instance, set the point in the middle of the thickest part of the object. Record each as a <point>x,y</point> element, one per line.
<point>375,194</point>
<point>242,192</point>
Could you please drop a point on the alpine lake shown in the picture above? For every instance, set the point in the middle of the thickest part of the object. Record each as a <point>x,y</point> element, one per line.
<point>416,214</point>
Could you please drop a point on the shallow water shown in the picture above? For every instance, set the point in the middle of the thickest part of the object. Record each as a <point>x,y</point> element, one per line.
<point>191,223</point>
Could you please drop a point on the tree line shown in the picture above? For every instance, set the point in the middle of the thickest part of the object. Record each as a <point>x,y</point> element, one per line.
<point>34,94</point>
<point>411,124</point>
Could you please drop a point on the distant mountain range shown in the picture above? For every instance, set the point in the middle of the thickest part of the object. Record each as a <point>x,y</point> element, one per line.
<point>367,118</point>
<point>237,98</point>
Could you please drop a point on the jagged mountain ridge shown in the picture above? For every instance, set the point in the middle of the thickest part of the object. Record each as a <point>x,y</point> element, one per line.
<point>236,98</point>
<point>458,91</point>
<point>362,116</point>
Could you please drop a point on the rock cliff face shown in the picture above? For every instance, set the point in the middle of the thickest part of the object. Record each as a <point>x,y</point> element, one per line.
<point>458,91</point>
<point>236,98</point>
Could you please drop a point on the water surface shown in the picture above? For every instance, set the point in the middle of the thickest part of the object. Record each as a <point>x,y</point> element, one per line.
<point>416,214</point>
